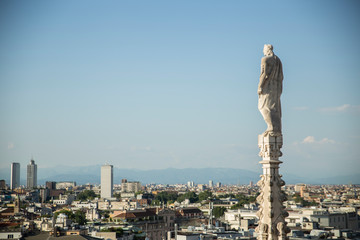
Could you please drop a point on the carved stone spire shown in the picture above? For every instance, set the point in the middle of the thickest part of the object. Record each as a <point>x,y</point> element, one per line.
<point>272,214</point>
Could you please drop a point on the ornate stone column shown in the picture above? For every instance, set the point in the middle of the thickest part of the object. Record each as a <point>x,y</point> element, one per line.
<point>272,214</point>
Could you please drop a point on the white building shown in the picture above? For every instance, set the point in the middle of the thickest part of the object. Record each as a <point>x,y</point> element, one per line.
<point>15,175</point>
<point>79,204</point>
<point>92,214</point>
<point>117,205</point>
<point>106,181</point>
<point>11,235</point>
<point>65,185</point>
<point>31,175</point>
<point>91,209</point>
<point>240,218</point>
<point>130,187</point>
<point>306,218</point>
<point>63,221</point>
<point>64,199</point>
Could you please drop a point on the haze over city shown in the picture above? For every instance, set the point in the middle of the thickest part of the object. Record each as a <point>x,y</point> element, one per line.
<point>160,84</point>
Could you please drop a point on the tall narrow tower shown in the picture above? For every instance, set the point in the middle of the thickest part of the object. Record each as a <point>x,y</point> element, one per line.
<point>15,175</point>
<point>272,214</point>
<point>106,181</point>
<point>211,183</point>
<point>31,175</point>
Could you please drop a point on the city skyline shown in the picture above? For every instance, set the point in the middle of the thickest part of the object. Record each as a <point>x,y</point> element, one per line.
<point>229,176</point>
<point>166,84</point>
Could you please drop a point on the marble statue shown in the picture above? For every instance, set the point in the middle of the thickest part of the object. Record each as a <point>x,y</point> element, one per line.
<point>269,90</point>
<point>272,213</point>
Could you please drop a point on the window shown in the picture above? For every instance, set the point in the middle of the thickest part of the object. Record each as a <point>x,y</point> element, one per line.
<point>10,236</point>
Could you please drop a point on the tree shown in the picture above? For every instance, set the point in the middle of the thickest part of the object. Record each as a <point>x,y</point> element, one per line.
<point>155,202</point>
<point>86,194</point>
<point>205,195</point>
<point>189,195</point>
<point>165,197</point>
<point>80,218</point>
<point>243,200</point>
<point>117,195</point>
<point>139,192</point>
<point>218,211</point>
<point>302,201</point>
<point>227,195</point>
<point>105,213</point>
<point>67,212</point>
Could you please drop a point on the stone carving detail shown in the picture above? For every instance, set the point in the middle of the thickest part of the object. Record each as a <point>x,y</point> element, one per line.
<point>262,230</point>
<point>283,197</point>
<point>259,198</point>
<point>282,230</point>
<point>271,198</point>
<point>270,146</point>
<point>279,181</point>
<point>284,213</point>
<point>260,183</point>
<point>259,213</point>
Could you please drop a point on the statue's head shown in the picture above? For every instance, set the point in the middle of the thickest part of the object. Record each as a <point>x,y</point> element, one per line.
<point>268,50</point>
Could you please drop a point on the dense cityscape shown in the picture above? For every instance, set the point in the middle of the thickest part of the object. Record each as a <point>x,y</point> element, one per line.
<point>179,120</point>
<point>132,210</point>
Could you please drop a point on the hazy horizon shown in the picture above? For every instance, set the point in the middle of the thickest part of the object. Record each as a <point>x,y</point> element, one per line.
<point>91,174</point>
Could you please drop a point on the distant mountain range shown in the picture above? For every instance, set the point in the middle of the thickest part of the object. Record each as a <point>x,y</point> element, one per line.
<point>91,174</point>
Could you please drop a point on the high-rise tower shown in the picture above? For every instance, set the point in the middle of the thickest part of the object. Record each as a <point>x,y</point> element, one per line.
<point>15,175</point>
<point>31,175</point>
<point>106,181</point>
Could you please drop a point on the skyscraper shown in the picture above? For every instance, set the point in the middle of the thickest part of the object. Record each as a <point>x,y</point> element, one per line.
<point>106,181</point>
<point>15,175</point>
<point>31,174</point>
<point>2,184</point>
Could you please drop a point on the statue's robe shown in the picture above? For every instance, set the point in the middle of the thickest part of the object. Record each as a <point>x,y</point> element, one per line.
<point>269,99</point>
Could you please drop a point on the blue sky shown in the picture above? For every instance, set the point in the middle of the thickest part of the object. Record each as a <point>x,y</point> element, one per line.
<point>158,84</point>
